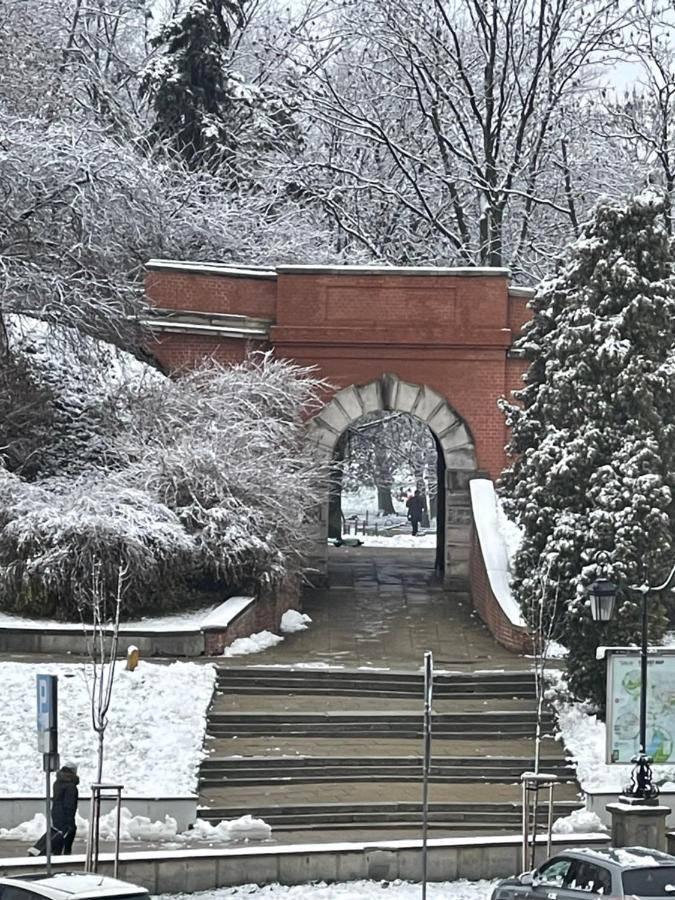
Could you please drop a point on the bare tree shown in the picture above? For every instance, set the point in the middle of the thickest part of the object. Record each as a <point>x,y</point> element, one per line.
<point>643,120</point>
<point>448,112</point>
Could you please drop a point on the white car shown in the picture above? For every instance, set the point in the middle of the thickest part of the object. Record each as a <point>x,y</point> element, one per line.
<point>67,886</point>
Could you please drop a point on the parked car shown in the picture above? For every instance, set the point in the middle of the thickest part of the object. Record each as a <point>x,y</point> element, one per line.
<point>580,873</point>
<point>67,886</point>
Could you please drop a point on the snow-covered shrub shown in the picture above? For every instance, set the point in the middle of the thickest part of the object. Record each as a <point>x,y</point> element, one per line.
<point>81,391</point>
<point>226,449</point>
<point>594,441</point>
<point>210,483</point>
<point>57,543</point>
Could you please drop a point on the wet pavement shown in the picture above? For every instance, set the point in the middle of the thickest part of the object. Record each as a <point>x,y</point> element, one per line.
<point>386,607</point>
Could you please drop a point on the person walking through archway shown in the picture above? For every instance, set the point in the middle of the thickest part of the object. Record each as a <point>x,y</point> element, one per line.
<point>415,510</point>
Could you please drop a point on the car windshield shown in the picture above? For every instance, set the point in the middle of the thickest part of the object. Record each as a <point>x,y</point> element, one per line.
<point>656,881</point>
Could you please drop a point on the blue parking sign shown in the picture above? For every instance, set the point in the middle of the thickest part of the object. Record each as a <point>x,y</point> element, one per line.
<point>47,722</point>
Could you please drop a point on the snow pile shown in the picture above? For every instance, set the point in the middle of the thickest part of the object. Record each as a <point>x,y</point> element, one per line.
<point>581,821</point>
<point>141,828</point>
<point>293,621</point>
<point>256,643</point>
<point>30,831</point>
<point>554,650</point>
<point>153,743</point>
<point>496,547</point>
<point>246,828</point>
<point>353,890</point>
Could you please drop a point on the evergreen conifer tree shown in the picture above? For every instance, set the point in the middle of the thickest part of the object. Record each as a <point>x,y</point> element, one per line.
<point>594,440</point>
<point>204,108</point>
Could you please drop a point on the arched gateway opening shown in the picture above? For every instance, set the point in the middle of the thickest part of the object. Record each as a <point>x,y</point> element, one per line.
<point>456,460</point>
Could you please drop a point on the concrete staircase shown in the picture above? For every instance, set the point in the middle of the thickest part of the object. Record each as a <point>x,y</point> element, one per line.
<point>325,751</point>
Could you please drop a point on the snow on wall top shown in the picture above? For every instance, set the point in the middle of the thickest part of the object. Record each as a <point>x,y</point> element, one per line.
<point>232,271</point>
<point>464,271</point>
<point>498,543</point>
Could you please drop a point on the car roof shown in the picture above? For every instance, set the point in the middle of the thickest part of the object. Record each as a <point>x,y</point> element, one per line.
<point>72,885</point>
<point>625,857</point>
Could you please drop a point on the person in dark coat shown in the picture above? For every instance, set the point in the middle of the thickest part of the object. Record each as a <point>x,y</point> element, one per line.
<point>64,807</point>
<point>415,508</point>
<point>64,804</point>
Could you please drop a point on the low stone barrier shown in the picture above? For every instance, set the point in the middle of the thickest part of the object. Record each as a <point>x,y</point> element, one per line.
<point>186,871</point>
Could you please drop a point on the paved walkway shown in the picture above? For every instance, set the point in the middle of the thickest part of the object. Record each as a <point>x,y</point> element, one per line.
<point>386,607</point>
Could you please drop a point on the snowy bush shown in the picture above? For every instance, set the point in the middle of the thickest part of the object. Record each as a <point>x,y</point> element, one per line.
<point>77,395</point>
<point>210,484</point>
<point>53,549</point>
<point>225,448</point>
<point>594,441</point>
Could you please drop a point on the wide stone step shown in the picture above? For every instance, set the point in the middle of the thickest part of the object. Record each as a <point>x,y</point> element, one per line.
<point>474,748</point>
<point>332,776</point>
<point>312,770</point>
<point>373,682</point>
<point>276,704</point>
<point>482,816</point>
<point>350,724</point>
<point>264,763</point>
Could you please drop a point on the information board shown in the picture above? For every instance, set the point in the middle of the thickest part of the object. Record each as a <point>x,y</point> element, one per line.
<point>623,706</point>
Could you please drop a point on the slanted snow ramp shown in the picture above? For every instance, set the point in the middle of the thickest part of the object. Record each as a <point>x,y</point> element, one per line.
<point>490,569</point>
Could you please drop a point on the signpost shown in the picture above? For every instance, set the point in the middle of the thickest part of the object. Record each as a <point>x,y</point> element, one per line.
<point>428,697</point>
<point>48,745</point>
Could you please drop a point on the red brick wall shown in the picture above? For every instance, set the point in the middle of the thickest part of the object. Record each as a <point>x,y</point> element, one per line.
<point>176,351</point>
<point>485,603</point>
<point>263,615</point>
<point>217,293</point>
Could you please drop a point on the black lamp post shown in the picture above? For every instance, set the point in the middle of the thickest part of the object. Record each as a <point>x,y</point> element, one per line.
<point>602,596</point>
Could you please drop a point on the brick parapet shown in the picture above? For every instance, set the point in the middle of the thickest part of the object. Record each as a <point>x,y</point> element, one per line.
<point>511,636</point>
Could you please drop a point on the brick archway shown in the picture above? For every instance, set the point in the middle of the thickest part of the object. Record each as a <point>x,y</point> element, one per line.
<point>390,393</point>
<point>445,334</point>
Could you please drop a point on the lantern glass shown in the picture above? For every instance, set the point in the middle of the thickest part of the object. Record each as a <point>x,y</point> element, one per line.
<point>602,596</point>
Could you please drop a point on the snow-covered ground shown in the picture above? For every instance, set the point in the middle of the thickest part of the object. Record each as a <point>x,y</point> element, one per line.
<point>187,620</point>
<point>153,744</point>
<point>398,540</point>
<point>353,890</point>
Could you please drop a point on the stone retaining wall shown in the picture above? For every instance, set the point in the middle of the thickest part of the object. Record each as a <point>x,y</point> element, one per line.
<point>187,871</point>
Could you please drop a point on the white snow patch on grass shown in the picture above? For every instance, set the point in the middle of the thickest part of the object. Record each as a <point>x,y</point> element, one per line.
<point>153,743</point>
<point>581,821</point>
<point>293,621</point>
<point>187,620</point>
<point>256,643</point>
<point>397,540</point>
<point>353,890</point>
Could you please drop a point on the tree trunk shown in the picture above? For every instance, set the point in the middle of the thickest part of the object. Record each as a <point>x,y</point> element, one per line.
<point>384,501</point>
